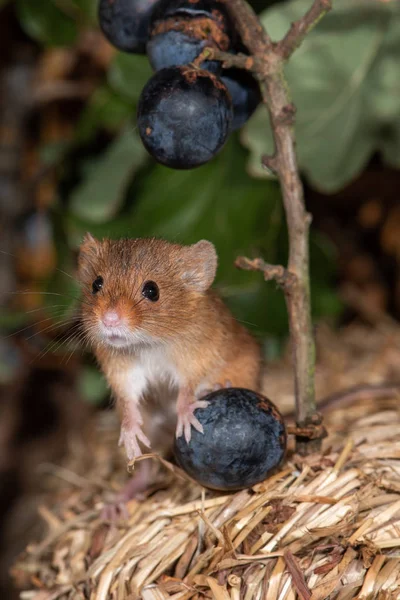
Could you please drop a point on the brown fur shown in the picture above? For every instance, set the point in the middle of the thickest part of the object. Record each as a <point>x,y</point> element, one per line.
<point>197,332</point>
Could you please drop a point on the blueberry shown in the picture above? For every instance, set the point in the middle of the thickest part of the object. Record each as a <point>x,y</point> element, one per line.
<point>184,116</point>
<point>180,29</point>
<point>180,45</point>
<point>125,23</point>
<point>245,93</point>
<point>244,439</point>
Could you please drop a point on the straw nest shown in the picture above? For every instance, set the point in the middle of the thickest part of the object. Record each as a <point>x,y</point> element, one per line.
<point>325,526</point>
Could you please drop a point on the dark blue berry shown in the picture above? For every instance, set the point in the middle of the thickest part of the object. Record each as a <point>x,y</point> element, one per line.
<point>172,48</point>
<point>184,116</point>
<point>244,439</point>
<point>125,23</point>
<point>245,93</point>
<point>181,29</point>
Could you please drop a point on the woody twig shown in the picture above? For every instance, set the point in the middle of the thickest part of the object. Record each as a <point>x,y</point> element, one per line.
<point>266,61</point>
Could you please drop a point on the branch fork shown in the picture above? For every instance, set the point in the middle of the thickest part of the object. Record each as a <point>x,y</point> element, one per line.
<point>301,28</point>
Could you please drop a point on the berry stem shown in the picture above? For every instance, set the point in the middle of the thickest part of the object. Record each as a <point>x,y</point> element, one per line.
<point>268,64</point>
<point>241,61</point>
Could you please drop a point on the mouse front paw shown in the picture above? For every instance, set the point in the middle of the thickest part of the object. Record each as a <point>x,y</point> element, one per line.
<point>130,438</point>
<point>187,419</point>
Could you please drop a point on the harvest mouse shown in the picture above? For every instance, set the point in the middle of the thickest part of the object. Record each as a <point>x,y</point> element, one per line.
<point>162,337</point>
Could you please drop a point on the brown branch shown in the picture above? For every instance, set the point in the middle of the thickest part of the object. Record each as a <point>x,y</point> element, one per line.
<point>252,33</point>
<point>298,221</point>
<point>301,28</point>
<point>268,68</point>
<point>277,273</point>
<point>281,113</point>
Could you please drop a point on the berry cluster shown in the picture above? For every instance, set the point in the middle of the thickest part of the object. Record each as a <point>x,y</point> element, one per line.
<point>185,111</point>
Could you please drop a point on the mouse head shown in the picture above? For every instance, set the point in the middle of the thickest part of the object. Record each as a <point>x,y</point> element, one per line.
<point>142,291</point>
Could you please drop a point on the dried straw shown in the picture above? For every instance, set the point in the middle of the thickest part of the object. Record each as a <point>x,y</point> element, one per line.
<point>327,526</point>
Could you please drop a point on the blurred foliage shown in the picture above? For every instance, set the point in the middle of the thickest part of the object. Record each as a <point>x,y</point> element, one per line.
<point>344,81</point>
<point>346,88</point>
<point>56,23</point>
<point>121,192</point>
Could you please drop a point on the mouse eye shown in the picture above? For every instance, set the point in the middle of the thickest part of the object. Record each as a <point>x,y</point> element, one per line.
<point>97,284</point>
<point>150,291</point>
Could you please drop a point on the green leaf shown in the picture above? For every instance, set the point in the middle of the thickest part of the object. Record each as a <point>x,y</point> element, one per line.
<point>344,83</point>
<point>101,194</point>
<point>221,203</point>
<point>128,74</point>
<point>105,109</point>
<point>46,23</point>
<point>218,200</point>
<point>386,95</point>
<point>240,215</point>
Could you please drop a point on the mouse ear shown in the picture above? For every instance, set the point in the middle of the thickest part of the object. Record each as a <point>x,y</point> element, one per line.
<point>201,265</point>
<point>88,251</point>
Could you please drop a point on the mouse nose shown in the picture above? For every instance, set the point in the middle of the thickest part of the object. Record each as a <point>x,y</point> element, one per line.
<point>111,318</point>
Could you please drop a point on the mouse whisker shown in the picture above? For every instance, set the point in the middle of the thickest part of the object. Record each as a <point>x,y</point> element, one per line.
<point>58,342</point>
<point>44,308</point>
<point>52,327</point>
<point>138,302</point>
<point>33,324</point>
<point>42,293</point>
<point>88,333</point>
<point>134,292</point>
<point>246,322</point>
<point>67,274</point>
<point>77,337</point>
<point>65,360</point>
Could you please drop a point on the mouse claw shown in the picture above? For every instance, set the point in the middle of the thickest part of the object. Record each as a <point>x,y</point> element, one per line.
<point>187,419</point>
<point>130,438</point>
